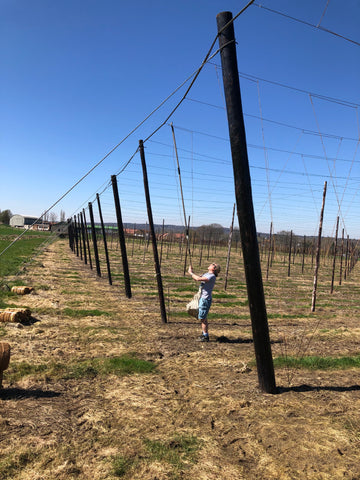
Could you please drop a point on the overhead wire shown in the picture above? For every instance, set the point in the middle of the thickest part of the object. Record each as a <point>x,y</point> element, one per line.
<point>328,98</point>
<point>275,122</point>
<point>331,176</point>
<point>308,24</point>
<point>194,75</point>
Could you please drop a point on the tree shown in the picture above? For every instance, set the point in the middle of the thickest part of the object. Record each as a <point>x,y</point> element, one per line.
<point>62,216</point>
<point>53,217</point>
<point>5,216</point>
<point>211,232</point>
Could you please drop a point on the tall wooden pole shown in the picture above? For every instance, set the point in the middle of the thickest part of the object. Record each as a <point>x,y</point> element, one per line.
<point>76,237</point>
<point>80,236</point>
<point>303,255</point>
<point>87,238</point>
<point>71,235</point>
<point>269,253</point>
<point>341,257</point>
<point>229,248</point>
<point>346,258</point>
<point>318,250</point>
<point>162,240</point>
<point>94,239</point>
<point>245,209</point>
<point>335,252</point>
<point>105,239</point>
<point>290,247</point>
<point>121,237</point>
<point>187,227</point>
<point>152,233</point>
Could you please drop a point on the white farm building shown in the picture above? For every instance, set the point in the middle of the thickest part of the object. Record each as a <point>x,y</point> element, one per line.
<point>21,221</point>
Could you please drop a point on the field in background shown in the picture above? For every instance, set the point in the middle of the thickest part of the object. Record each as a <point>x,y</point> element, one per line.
<point>99,388</point>
<point>21,251</point>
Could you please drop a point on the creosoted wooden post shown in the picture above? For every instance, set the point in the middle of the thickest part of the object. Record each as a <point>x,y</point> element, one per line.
<point>121,237</point>
<point>87,238</point>
<point>76,250</point>
<point>71,234</point>
<point>303,255</point>
<point>229,248</point>
<point>255,289</point>
<point>79,233</point>
<point>104,238</point>
<point>334,259</point>
<point>270,252</point>
<point>94,239</point>
<point>318,251</point>
<point>290,247</point>
<point>153,236</point>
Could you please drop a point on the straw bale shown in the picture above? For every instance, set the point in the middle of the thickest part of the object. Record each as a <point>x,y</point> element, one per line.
<point>14,315</point>
<point>22,290</point>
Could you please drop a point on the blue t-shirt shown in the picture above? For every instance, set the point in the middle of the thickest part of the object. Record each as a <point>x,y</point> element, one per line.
<point>207,287</point>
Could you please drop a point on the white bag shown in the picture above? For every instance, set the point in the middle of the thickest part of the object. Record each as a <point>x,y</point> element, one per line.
<point>192,307</point>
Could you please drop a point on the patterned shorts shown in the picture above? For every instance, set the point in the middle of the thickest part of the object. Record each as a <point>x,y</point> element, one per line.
<point>204,307</point>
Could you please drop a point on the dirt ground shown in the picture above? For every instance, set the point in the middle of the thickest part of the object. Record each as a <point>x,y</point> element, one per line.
<point>56,429</point>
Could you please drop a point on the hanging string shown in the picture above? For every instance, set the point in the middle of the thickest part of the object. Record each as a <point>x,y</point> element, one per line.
<point>182,194</point>
<point>265,154</point>
<point>327,161</point>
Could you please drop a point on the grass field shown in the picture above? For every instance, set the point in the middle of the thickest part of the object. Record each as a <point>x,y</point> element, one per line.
<point>99,388</point>
<point>21,251</point>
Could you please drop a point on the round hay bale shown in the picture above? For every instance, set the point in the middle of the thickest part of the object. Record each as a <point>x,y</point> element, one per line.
<point>23,290</point>
<point>15,315</point>
<point>11,316</point>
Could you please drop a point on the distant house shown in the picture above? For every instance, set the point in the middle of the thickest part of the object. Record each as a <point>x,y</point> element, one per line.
<point>132,232</point>
<point>33,223</point>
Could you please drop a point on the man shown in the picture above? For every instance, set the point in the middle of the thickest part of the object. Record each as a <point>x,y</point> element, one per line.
<point>207,285</point>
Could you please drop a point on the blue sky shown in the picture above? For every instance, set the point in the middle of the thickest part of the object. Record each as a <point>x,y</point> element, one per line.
<point>79,76</point>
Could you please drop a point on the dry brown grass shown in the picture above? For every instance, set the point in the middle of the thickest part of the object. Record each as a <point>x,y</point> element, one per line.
<point>200,415</point>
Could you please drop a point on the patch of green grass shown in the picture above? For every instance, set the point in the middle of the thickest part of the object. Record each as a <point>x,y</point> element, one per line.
<point>224,295</point>
<point>240,287</point>
<point>70,312</point>
<point>235,304</point>
<point>120,366</point>
<point>121,465</point>
<point>180,451</point>
<point>318,363</point>
<point>23,369</point>
<point>288,315</point>
<point>333,332</point>
<point>20,252</point>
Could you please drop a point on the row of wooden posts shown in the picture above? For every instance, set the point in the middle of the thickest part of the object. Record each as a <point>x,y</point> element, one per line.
<point>346,253</point>
<point>79,237</point>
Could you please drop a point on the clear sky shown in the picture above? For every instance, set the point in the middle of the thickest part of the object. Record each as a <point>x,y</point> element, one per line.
<point>77,76</point>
